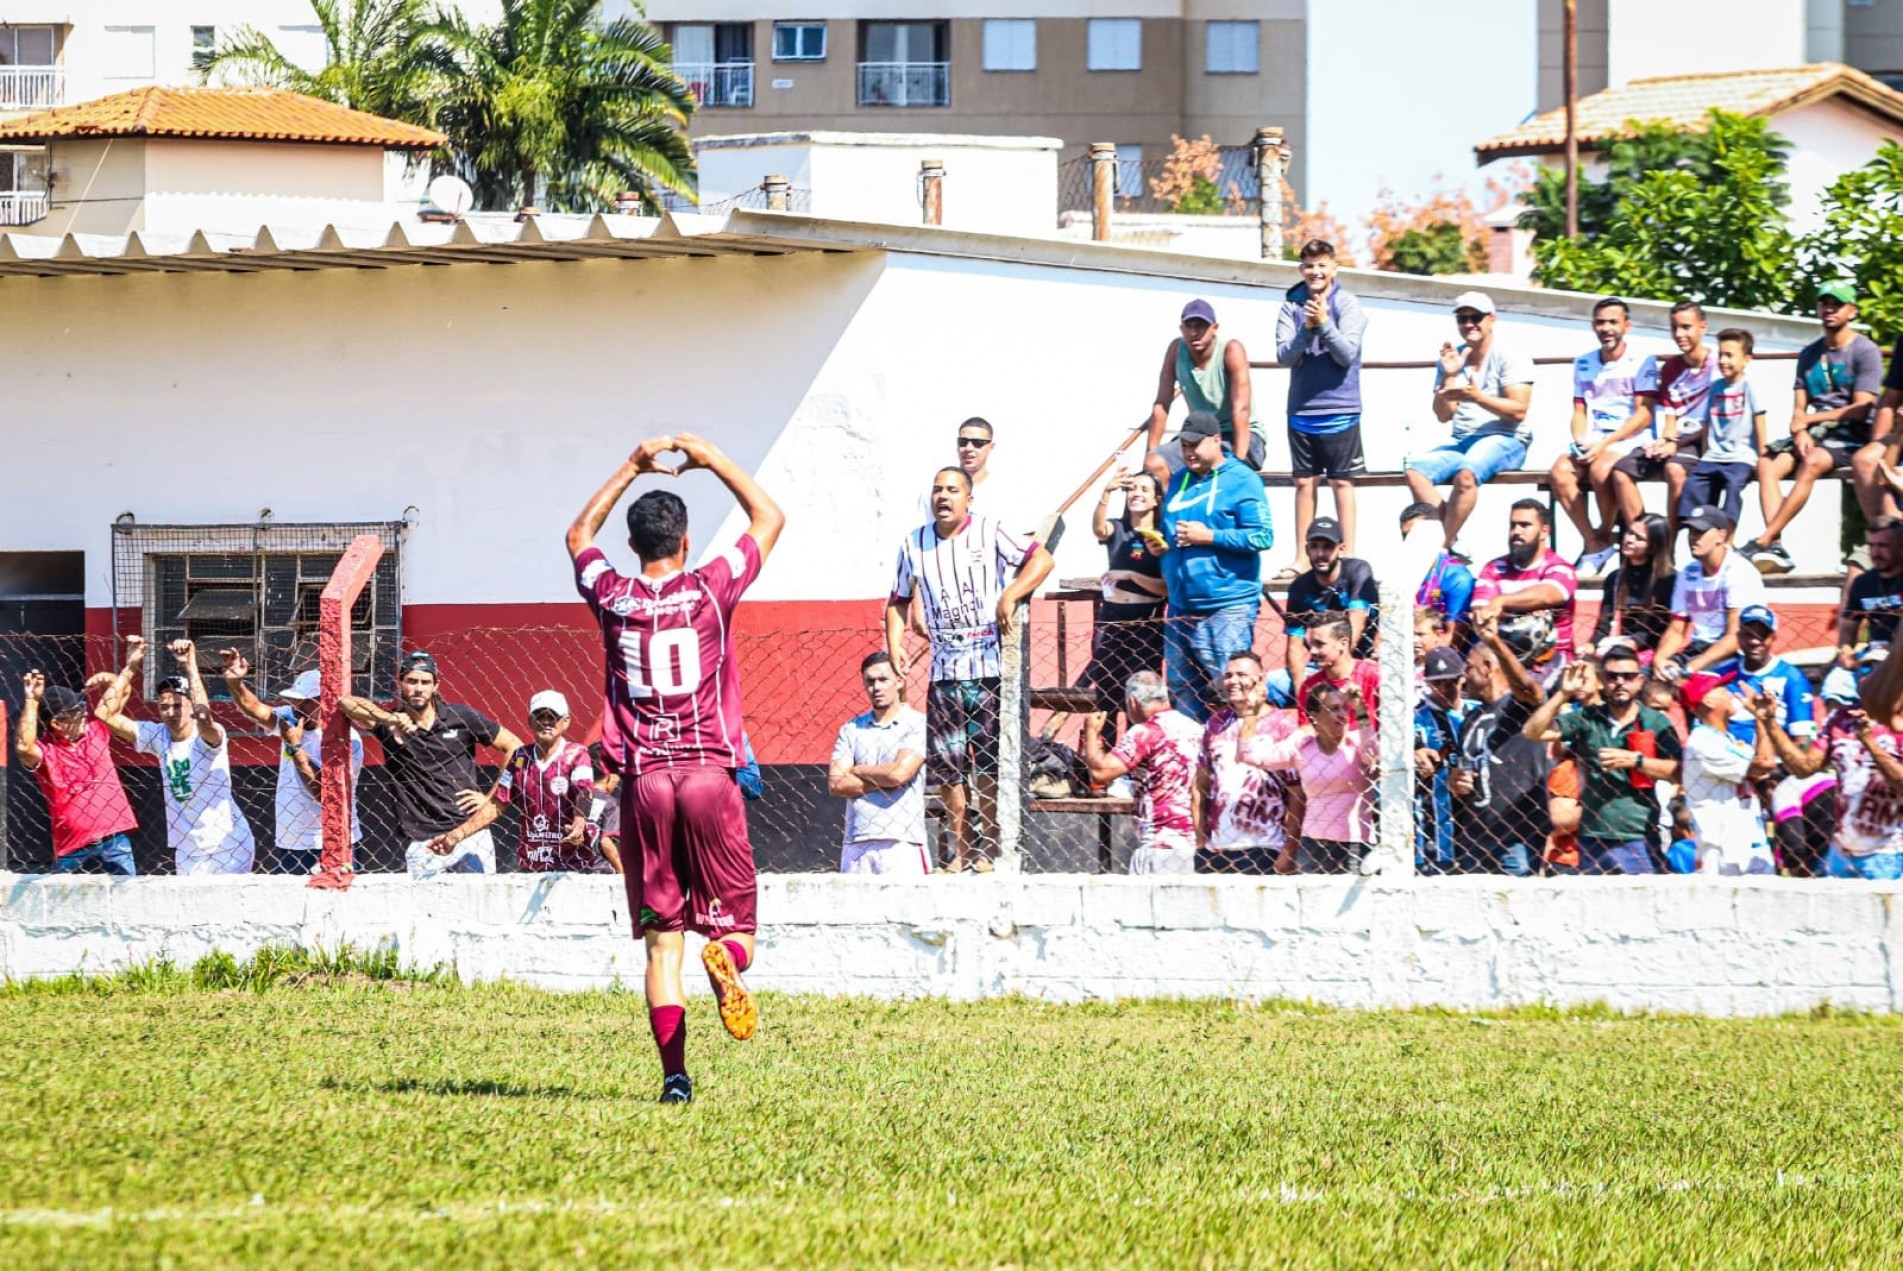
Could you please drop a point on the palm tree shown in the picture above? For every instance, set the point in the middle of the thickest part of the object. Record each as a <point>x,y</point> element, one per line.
<point>377,59</point>
<point>552,106</point>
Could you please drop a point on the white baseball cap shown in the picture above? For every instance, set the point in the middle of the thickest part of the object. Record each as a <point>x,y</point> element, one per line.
<point>549,700</point>
<point>1478,301</point>
<point>307,687</point>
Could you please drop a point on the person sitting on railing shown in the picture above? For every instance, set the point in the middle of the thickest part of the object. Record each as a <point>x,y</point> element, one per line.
<point>1129,629</point>
<point>1448,588</point>
<point>1484,392</point>
<point>1212,373</point>
<point>1337,763</point>
<point>1216,525</point>
<point>1712,591</point>
<point>1159,754</point>
<point>1675,390</point>
<point>1247,818</point>
<point>1832,427</point>
<point>1318,337</point>
<point>1609,420</point>
<point>1531,577</point>
<point>878,768</point>
<point>299,806</point>
<point>203,826</point>
<point>551,781</point>
<point>69,752</point>
<point>1635,605</point>
<point>1334,584</point>
<point>1733,434</point>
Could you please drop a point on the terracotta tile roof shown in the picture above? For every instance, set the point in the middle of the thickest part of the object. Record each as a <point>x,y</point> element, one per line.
<point>231,114</point>
<point>1686,100</point>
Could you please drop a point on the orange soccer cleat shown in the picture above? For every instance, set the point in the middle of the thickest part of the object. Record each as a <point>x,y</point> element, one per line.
<point>738,1014</point>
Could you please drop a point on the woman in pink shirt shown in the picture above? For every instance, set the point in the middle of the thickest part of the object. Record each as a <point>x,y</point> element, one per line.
<point>1336,764</point>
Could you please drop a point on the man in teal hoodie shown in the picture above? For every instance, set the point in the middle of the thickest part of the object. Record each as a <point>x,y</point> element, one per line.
<point>1215,521</point>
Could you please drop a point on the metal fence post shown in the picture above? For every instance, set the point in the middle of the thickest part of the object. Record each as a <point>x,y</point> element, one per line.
<point>1103,188</point>
<point>1272,155</point>
<point>777,187</point>
<point>931,175</point>
<point>1394,854</point>
<point>1013,720</point>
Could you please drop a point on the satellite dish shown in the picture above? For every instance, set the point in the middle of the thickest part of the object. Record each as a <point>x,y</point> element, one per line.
<point>451,194</point>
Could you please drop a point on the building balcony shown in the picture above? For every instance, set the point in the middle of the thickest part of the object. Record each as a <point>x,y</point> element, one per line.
<point>32,87</point>
<point>905,83</point>
<point>718,84</point>
<point>22,207</point>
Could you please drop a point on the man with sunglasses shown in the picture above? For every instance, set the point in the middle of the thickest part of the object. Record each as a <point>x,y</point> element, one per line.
<point>1624,749</point>
<point>552,782</point>
<point>1484,393</point>
<point>429,753</point>
<point>69,752</point>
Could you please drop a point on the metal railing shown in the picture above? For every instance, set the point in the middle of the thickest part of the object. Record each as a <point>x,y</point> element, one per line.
<point>22,207</point>
<point>32,87</point>
<point>905,83</point>
<point>718,84</point>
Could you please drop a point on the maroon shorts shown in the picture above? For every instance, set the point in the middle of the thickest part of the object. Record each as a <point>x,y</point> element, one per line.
<point>684,849</point>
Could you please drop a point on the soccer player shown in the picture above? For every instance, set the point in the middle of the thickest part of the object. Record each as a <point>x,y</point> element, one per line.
<point>672,729</point>
<point>553,782</point>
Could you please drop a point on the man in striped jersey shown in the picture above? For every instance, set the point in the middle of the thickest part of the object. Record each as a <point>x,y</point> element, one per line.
<point>958,567</point>
<point>551,783</point>
<point>672,729</point>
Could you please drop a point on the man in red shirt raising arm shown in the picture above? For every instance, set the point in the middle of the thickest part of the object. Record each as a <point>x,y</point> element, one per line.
<point>672,729</point>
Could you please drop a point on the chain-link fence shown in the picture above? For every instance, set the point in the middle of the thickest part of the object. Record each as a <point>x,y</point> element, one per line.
<point>1417,755</point>
<point>759,199</point>
<point>1149,185</point>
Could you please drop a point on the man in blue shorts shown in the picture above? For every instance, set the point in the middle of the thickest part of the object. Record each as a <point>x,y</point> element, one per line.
<point>1484,393</point>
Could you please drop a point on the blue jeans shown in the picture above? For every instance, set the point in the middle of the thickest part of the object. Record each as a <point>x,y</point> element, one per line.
<point>109,855</point>
<point>1196,647</point>
<point>1610,856</point>
<point>1486,455</point>
<point>1878,866</point>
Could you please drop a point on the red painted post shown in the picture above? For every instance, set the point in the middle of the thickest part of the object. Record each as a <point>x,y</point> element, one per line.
<point>336,866</point>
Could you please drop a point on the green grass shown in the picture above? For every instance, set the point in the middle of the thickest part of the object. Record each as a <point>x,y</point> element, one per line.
<point>298,1111</point>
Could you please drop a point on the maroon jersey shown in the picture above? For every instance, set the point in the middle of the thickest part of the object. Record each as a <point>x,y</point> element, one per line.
<point>673,683</point>
<point>549,796</point>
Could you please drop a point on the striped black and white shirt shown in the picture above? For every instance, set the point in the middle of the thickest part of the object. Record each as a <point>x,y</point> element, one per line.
<point>961,579</point>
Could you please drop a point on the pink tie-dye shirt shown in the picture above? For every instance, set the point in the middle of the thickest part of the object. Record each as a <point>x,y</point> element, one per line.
<point>1340,787</point>
<point>1161,754</point>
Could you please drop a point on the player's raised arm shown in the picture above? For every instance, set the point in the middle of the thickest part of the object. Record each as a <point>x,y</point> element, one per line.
<point>644,460</point>
<point>766,519</point>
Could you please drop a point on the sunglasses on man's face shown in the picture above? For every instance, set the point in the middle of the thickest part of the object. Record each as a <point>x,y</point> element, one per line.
<point>543,719</point>
<point>972,443</point>
<point>1624,675</point>
<point>1470,319</point>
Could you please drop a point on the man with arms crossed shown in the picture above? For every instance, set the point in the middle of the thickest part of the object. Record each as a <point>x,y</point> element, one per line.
<point>206,831</point>
<point>672,729</point>
<point>877,768</point>
<point>957,566</point>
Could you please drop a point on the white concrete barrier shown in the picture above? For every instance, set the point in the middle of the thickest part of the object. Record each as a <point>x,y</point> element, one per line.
<point>1719,947</point>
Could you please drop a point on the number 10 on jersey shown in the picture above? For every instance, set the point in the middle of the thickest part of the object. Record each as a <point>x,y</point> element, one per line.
<point>668,664</point>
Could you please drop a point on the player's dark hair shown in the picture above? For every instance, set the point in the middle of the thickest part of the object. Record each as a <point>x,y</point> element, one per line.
<point>1245,655</point>
<point>1612,302</point>
<point>1316,248</point>
<point>1336,626</point>
<point>960,473</point>
<point>1883,525</point>
<point>1537,508</point>
<point>1738,336</point>
<point>657,523</point>
<point>977,421</point>
<point>1689,306</point>
<point>873,659</point>
<point>1420,511</point>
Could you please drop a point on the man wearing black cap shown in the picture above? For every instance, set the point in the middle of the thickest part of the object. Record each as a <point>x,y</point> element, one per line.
<point>70,755</point>
<point>1213,374</point>
<point>1333,583</point>
<point>1711,591</point>
<point>1437,717</point>
<point>429,750</point>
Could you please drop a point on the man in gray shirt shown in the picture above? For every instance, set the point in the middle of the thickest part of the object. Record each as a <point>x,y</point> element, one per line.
<point>877,766</point>
<point>1318,338</point>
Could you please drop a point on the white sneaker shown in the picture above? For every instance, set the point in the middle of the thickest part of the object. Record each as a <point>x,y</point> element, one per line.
<point>1591,565</point>
<point>1121,789</point>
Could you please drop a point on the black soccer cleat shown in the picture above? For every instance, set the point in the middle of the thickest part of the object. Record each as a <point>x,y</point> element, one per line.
<point>677,1088</point>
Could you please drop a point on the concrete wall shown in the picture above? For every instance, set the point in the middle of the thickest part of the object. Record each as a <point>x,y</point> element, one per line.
<point>1828,138</point>
<point>1646,39</point>
<point>1715,947</point>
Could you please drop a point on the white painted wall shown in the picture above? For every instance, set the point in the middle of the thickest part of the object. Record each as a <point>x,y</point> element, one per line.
<point>1645,38</point>
<point>494,399</point>
<point>1716,947</point>
<point>1828,138</point>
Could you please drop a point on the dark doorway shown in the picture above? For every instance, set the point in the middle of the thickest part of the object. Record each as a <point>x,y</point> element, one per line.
<point>42,628</point>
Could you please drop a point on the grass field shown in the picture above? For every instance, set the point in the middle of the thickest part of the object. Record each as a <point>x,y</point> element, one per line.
<point>323,1120</point>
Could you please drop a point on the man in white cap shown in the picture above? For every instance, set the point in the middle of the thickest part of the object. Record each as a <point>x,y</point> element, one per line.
<point>300,813</point>
<point>1483,392</point>
<point>552,782</point>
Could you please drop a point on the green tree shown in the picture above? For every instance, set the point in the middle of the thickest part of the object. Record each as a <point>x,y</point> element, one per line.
<point>1647,147</point>
<point>1717,236</point>
<point>377,59</point>
<point>1860,236</point>
<point>555,107</point>
<point>1438,249</point>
